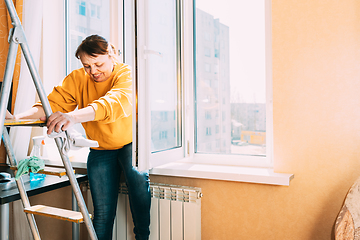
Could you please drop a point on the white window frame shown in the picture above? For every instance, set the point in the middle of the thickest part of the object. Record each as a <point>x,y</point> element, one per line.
<point>210,166</point>
<point>187,54</point>
<point>241,160</point>
<point>146,159</point>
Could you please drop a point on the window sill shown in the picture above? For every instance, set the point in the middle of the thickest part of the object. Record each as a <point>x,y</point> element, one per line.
<point>259,175</point>
<point>78,158</point>
<point>227,173</point>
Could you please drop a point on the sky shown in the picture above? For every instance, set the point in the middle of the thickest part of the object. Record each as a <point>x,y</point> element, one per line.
<point>246,23</point>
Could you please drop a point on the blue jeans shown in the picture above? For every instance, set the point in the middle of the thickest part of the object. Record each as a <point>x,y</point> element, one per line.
<point>104,168</point>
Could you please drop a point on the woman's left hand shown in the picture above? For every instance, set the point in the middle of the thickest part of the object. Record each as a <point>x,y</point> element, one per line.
<point>59,121</point>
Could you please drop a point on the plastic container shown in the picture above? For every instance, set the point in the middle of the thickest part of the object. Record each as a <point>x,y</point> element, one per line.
<point>35,152</point>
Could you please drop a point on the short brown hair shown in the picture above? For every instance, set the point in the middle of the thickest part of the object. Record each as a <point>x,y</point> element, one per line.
<point>95,45</point>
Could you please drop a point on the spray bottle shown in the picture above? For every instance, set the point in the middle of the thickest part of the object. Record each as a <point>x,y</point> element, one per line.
<point>35,152</point>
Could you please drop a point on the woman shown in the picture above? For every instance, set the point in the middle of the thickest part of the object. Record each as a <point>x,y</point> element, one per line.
<point>102,92</point>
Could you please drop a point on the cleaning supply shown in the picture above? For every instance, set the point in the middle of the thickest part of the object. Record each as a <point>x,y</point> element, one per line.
<point>34,163</point>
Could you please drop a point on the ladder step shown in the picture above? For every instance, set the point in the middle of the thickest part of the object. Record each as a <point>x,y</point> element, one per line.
<point>58,213</point>
<point>24,122</point>
<point>49,171</point>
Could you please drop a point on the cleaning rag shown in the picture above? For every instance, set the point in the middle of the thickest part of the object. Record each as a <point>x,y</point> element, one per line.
<point>73,140</point>
<point>34,164</point>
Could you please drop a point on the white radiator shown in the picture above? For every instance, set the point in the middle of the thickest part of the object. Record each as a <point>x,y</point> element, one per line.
<point>175,213</point>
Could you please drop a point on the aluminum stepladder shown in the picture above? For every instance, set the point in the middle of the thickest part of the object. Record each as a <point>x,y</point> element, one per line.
<point>16,37</point>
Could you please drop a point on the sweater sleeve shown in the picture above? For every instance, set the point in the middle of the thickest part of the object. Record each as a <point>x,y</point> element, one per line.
<point>117,102</point>
<point>63,96</point>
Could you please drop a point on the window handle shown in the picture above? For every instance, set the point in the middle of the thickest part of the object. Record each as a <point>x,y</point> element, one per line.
<point>157,53</point>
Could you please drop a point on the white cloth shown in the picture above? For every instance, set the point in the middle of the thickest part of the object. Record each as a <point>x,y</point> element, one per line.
<point>73,140</point>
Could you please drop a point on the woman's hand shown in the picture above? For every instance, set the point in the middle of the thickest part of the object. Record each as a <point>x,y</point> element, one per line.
<point>59,121</point>
<point>9,115</point>
<point>62,121</point>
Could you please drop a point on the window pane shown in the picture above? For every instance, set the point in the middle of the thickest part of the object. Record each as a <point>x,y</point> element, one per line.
<point>230,77</point>
<point>161,72</point>
<point>85,18</point>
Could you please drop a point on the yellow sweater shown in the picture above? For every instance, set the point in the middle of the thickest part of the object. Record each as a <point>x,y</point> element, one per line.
<point>111,100</point>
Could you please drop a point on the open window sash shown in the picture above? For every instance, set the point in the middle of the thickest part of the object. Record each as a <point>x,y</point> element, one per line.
<point>159,137</point>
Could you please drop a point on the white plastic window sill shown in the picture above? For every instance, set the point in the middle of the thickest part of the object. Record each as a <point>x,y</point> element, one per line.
<point>227,173</point>
<point>78,159</point>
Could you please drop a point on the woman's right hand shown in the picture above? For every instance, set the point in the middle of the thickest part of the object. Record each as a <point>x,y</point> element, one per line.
<point>58,121</point>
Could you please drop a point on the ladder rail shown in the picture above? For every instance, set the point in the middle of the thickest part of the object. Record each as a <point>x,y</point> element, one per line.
<point>76,190</point>
<point>7,81</point>
<point>20,184</point>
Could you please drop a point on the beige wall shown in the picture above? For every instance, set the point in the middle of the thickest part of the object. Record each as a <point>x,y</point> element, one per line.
<point>316,85</point>
<point>316,70</point>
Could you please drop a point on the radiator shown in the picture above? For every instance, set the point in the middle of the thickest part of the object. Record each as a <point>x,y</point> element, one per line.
<point>175,213</point>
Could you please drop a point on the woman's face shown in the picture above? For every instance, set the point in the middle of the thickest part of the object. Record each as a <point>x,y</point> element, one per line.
<point>99,68</point>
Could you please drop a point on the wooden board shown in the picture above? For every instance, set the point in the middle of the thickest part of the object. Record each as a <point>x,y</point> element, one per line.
<point>57,213</point>
<point>24,122</point>
<point>49,171</point>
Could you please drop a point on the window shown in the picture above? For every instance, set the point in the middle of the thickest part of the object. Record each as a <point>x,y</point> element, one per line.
<point>82,25</point>
<point>82,8</point>
<point>190,107</point>
<point>207,52</point>
<point>164,95</point>
<point>208,131</point>
<point>216,68</point>
<point>162,135</point>
<point>194,101</point>
<point>207,67</point>
<point>218,77</point>
<point>207,114</point>
<point>217,53</point>
<point>163,116</point>
<point>159,78</point>
<point>207,36</point>
<point>239,68</point>
<point>93,10</point>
